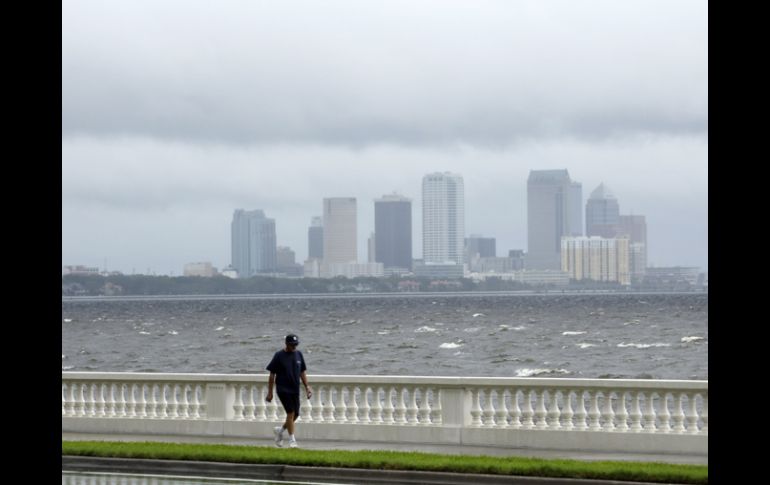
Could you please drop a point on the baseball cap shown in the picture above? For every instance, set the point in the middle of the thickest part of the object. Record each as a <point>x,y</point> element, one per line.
<point>292,339</point>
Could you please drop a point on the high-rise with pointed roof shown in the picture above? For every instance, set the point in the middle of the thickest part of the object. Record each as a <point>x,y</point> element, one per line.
<point>602,213</point>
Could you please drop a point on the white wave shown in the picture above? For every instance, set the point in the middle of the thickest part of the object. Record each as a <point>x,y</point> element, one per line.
<point>520,327</point>
<point>425,328</point>
<point>63,356</point>
<point>219,328</point>
<point>144,333</point>
<point>585,345</point>
<point>67,367</point>
<point>471,329</point>
<point>449,345</point>
<point>478,315</point>
<point>383,332</point>
<point>536,372</point>
<point>173,332</point>
<point>67,320</point>
<point>692,339</point>
<point>574,333</point>
<point>643,346</point>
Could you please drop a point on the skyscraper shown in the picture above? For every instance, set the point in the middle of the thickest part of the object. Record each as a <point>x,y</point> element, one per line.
<point>393,231</point>
<point>484,247</point>
<point>443,218</point>
<point>340,243</point>
<point>576,209</point>
<point>596,258</point>
<point>315,239</point>
<point>635,228</point>
<point>550,195</point>
<point>602,213</point>
<point>253,243</point>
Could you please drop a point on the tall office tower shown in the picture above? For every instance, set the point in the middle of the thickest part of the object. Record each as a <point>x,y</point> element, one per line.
<point>315,239</point>
<point>549,203</point>
<point>340,243</point>
<point>576,209</point>
<point>253,243</point>
<point>635,228</point>
<point>393,231</point>
<point>479,246</point>
<point>596,258</point>
<point>602,213</point>
<point>443,218</point>
<point>371,253</point>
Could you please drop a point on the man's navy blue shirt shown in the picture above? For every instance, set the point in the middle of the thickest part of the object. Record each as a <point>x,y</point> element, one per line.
<point>287,366</point>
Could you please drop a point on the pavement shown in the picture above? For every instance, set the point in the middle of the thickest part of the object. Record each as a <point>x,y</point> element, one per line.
<point>425,448</point>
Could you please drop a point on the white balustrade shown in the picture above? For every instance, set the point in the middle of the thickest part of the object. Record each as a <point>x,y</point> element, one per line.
<point>532,405</point>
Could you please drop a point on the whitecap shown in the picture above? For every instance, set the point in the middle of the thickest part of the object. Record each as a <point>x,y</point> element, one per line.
<point>535,372</point>
<point>692,339</point>
<point>471,329</point>
<point>383,332</point>
<point>219,328</point>
<point>173,332</point>
<point>63,356</point>
<point>478,315</point>
<point>449,345</point>
<point>585,345</point>
<point>643,346</point>
<point>67,367</point>
<point>67,320</point>
<point>425,328</point>
<point>520,327</point>
<point>144,333</point>
<point>574,333</point>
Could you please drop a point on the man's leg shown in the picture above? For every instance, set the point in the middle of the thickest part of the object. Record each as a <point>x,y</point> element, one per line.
<point>289,423</point>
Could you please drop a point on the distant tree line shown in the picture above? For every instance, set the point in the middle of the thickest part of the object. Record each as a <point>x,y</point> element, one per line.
<point>118,284</point>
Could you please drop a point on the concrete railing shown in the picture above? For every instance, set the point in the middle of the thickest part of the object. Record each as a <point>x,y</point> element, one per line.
<point>570,414</point>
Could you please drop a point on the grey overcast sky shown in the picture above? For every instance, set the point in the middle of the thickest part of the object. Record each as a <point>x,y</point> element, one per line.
<point>175,113</point>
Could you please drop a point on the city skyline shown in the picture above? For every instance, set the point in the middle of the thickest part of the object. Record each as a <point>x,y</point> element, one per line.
<point>176,113</point>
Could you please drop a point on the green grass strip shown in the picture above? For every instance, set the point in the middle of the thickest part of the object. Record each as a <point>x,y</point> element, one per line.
<point>394,460</point>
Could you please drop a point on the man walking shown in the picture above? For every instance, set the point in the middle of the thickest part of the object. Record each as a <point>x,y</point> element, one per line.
<point>286,370</point>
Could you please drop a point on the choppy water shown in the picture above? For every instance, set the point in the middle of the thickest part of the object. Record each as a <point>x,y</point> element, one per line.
<point>657,336</point>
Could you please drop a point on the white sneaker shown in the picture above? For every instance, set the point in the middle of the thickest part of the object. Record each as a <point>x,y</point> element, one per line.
<point>278,432</point>
<point>293,444</point>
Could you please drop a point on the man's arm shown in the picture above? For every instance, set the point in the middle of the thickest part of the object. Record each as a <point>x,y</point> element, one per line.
<point>308,389</point>
<point>270,383</point>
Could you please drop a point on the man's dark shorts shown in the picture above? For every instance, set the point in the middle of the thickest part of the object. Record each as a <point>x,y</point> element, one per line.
<point>290,402</point>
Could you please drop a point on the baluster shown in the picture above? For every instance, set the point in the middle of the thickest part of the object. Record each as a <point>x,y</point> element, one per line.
<point>317,406</point>
<point>527,413</point>
<point>488,413</point>
<point>260,406</point>
<point>353,406</point>
<point>109,404</point>
<point>636,413</point>
<point>328,414</point>
<point>64,391</point>
<point>388,410</point>
<point>164,390</point>
<point>622,414</point>
<point>184,405</point>
<point>411,412</point>
<point>501,409</point>
<point>202,406</point>
<point>514,412</point>
<point>365,409</point>
<point>195,405</point>
<point>140,411</point>
<point>377,405</point>
<point>340,412</point>
<point>593,414</point>
<point>74,398</point>
<point>399,415</point>
<point>553,410</point>
<point>705,415</point>
<point>120,399</point>
<point>692,414</point>
<point>567,413</point>
<point>238,402</point>
<point>475,407</point>
<point>173,406</point>
<point>152,402</point>
<point>665,416</point>
<point>608,415</point>
<point>540,411</point>
<point>435,413</point>
<point>88,405</point>
<point>424,407</point>
<point>580,412</point>
<point>130,400</point>
<point>307,414</point>
<point>248,403</point>
<point>649,413</point>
